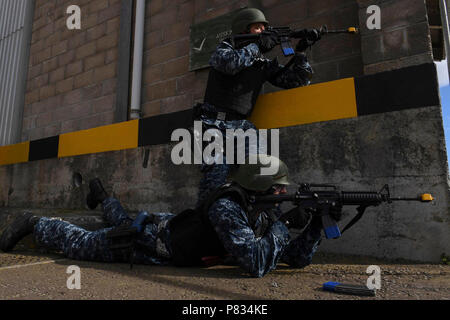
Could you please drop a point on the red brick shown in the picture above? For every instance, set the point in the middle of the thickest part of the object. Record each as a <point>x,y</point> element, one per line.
<point>173,50</point>
<point>109,13</point>
<point>163,18</point>
<point>35,134</point>
<point>92,92</point>
<point>70,125</point>
<point>45,31</point>
<point>41,56</point>
<point>47,105</point>
<point>97,5</point>
<point>186,83</point>
<point>97,120</point>
<point>44,119</point>
<point>61,22</point>
<point>153,74</point>
<point>57,75</point>
<point>85,50</point>
<point>46,91</point>
<point>112,25</point>
<point>40,81</point>
<point>96,32</point>
<point>160,90</point>
<point>72,112</point>
<point>64,86</point>
<point>37,47</point>
<point>103,104</point>
<point>111,55</point>
<point>151,108</point>
<point>105,72</point>
<point>72,97</point>
<point>186,12</point>
<point>90,21</point>
<point>34,71</point>
<point>50,65</point>
<point>66,58</point>
<point>32,96</point>
<point>109,86</point>
<point>153,39</point>
<point>108,41</point>
<point>175,32</point>
<point>29,123</point>
<point>94,61</point>
<point>74,68</point>
<point>154,7</point>
<point>177,103</point>
<point>52,130</point>
<point>52,39</point>
<point>176,67</point>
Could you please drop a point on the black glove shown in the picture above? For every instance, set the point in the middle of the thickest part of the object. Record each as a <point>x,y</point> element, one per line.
<point>267,41</point>
<point>336,212</point>
<point>296,218</point>
<point>311,36</point>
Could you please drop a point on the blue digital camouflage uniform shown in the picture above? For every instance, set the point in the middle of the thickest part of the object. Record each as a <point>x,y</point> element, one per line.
<point>231,61</point>
<point>80,244</point>
<point>256,255</point>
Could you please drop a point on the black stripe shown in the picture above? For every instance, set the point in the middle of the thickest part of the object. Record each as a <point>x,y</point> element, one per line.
<point>158,129</point>
<point>123,68</point>
<point>406,88</point>
<point>44,148</point>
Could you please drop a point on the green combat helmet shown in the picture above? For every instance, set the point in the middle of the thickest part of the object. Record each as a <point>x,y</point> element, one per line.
<point>251,177</point>
<point>246,17</point>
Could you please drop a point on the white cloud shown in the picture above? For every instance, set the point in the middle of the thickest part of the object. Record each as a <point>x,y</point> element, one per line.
<point>442,73</point>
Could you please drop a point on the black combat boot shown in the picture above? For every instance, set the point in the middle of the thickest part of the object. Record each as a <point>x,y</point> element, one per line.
<point>96,194</point>
<point>21,226</point>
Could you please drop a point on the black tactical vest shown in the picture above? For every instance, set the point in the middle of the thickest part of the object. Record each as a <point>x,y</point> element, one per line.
<point>192,235</point>
<point>236,92</point>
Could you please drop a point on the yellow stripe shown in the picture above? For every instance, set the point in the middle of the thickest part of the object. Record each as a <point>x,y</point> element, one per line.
<point>14,153</point>
<point>319,102</point>
<point>117,136</point>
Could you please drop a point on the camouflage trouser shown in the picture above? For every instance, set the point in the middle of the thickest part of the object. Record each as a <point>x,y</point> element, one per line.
<point>80,244</point>
<point>214,175</point>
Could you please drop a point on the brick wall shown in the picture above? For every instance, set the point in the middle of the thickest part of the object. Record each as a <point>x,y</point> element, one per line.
<point>72,73</point>
<point>168,85</point>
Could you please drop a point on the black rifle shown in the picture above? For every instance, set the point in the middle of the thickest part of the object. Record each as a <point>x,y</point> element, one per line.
<point>321,197</point>
<point>285,34</point>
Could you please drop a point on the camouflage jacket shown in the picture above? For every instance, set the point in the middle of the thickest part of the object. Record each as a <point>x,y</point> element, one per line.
<point>259,255</point>
<point>229,60</point>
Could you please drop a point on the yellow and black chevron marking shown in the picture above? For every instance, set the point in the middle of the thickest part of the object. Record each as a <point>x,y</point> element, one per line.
<point>407,88</point>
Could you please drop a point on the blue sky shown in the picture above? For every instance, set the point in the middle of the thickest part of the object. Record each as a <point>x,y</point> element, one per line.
<point>445,100</point>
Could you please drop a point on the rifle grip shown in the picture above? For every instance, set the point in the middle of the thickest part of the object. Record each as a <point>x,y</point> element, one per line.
<point>330,227</point>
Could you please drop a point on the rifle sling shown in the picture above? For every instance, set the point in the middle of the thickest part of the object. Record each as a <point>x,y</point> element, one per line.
<point>356,218</point>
